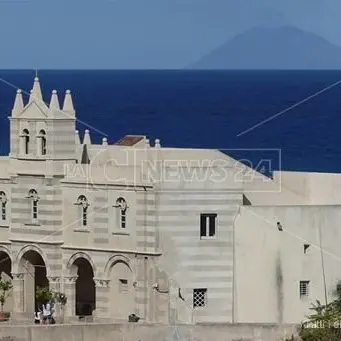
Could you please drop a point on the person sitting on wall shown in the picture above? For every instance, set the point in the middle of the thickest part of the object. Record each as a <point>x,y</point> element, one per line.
<point>37,317</point>
<point>47,313</point>
<point>51,318</point>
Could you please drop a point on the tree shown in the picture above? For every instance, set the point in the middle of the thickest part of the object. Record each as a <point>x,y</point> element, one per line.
<point>44,294</point>
<point>324,324</point>
<point>5,287</point>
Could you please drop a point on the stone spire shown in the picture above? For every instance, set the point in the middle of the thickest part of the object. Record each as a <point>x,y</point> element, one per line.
<point>36,93</point>
<point>157,143</point>
<point>77,138</point>
<point>54,103</point>
<point>87,139</point>
<point>18,104</point>
<point>68,104</point>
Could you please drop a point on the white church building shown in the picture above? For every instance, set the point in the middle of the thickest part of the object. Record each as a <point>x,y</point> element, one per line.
<point>173,235</point>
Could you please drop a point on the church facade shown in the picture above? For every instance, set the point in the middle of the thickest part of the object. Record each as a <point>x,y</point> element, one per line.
<point>172,235</point>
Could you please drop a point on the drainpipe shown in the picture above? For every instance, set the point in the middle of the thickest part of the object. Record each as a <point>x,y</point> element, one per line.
<point>146,290</point>
<point>145,259</point>
<point>234,267</point>
<point>323,270</point>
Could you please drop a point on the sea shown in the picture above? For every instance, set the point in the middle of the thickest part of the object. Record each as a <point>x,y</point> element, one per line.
<point>270,120</point>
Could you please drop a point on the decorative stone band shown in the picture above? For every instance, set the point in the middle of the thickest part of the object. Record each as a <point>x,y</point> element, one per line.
<point>18,276</point>
<point>53,279</point>
<point>101,283</point>
<point>70,280</point>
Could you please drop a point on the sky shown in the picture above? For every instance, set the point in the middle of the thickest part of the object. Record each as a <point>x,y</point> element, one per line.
<point>143,34</point>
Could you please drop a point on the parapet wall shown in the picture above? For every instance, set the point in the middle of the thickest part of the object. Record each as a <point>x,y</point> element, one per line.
<point>147,332</point>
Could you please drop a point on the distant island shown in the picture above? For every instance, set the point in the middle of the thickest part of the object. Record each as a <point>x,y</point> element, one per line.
<point>280,48</point>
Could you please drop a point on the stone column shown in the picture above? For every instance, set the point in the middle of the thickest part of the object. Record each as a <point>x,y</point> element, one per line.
<point>70,292</point>
<point>29,288</point>
<point>18,293</point>
<point>102,299</point>
<point>54,285</point>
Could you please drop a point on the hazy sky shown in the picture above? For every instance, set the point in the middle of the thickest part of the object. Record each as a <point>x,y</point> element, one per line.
<point>142,33</point>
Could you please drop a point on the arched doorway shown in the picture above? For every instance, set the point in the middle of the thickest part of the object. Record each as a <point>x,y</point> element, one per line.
<point>85,287</point>
<point>5,264</point>
<point>122,296</point>
<point>33,267</point>
<point>6,274</point>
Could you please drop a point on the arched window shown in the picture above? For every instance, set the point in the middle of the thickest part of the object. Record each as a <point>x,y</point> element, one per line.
<point>82,201</point>
<point>25,141</point>
<point>42,142</point>
<point>3,202</point>
<point>122,205</point>
<point>33,196</point>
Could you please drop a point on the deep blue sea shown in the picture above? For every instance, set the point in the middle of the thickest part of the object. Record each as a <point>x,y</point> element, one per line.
<point>202,109</point>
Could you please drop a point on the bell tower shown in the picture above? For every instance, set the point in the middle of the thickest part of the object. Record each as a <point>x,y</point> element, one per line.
<point>42,136</point>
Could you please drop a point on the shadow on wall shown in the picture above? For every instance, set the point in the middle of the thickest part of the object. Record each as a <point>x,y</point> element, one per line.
<point>169,262</point>
<point>280,293</point>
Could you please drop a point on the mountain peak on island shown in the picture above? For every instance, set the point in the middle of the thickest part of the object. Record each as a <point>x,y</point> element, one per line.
<point>285,47</point>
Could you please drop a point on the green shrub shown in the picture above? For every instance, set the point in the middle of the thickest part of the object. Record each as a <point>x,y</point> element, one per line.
<point>325,323</point>
<point>320,334</point>
<point>45,294</point>
<point>5,287</point>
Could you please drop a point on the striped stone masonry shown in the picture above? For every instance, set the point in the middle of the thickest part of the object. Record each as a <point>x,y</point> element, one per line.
<point>88,221</point>
<point>18,292</point>
<point>70,292</point>
<point>102,302</point>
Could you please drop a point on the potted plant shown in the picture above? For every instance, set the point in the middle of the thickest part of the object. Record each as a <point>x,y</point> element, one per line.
<point>5,287</point>
<point>133,318</point>
<point>61,299</point>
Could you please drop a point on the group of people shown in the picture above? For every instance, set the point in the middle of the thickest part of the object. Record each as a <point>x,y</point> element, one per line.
<point>44,315</point>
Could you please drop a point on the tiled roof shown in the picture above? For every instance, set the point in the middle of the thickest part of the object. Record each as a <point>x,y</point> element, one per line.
<point>129,140</point>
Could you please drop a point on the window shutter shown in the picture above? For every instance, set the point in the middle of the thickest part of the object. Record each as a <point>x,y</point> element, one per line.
<point>203,225</point>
